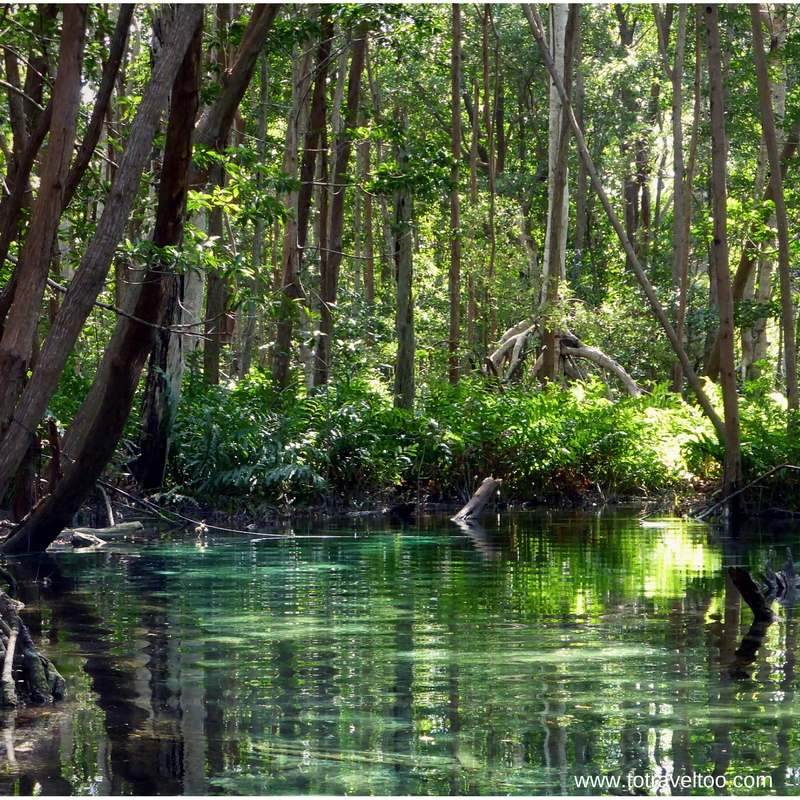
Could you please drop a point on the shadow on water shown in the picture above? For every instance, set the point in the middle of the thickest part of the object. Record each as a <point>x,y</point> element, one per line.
<point>514,657</point>
<point>145,749</point>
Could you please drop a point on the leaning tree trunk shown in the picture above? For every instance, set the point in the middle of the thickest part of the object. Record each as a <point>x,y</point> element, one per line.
<point>17,344</point>
<point>168,361</point>
<point>98,425</point>
<point>11,205</point>
<point>90,277</point>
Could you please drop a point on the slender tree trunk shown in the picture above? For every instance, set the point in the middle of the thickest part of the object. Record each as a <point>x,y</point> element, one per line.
<point>558,214</point>
<point>404,317</point>
<point>341,159</point>
<point>473,150</point>
<point>291,287</point>
<point>490,305</point>
<point>217,292</point>
<point>558,30</point>
<point>259,231</point>
<point>675,76</point>
<point>683,267</point>
<point>733,453</point>
<point>99,423</point>
<point>750,249</point>
<point>454,278</point>
<point>771,140</point>
<point>581,190</point>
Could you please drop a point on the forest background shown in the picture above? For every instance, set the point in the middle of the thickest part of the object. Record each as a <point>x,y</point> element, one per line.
<point>278,256</point>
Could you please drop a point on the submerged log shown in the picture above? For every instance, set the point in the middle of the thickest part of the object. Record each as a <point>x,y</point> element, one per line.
<point>26,675</point>
<point>478,500</point>
<point>751,593</point>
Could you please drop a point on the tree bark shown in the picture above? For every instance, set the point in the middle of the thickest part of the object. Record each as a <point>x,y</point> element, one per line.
<point>11,205</point>
<point>679,243</point>
<point>99,423</point>
<point>581,190</point>
<point>771,140</point>
<point>454,276</point>
<point>16,346</point>
<point>340,160</point>
<point>482,496</point>
<point>404,317</point>
<point>90,276</point>
<point>291,290</point>
<point>750,249</point>
<point>733,453</point>
<point>554,263</point>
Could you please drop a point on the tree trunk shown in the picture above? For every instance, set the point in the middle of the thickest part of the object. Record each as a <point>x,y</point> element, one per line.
<point>454,277</point>
<point>771,140</point>
<point>217,292</point>
<point>11,205</point>
<point>404,317</point>
<point>679,242</point>
<point>581,190</point>
<point>298,212</point>
<point>90,277</point>
<point>687,204</point>
<point>564,22</point>
<point>733,452</point>
<point>93,436</point>
<point>257,284</point>
<point>340,160</point>
<point>750,249</point>
<point>19,336</point>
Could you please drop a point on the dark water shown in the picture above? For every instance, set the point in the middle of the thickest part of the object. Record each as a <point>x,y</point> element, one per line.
<point>408,660</point>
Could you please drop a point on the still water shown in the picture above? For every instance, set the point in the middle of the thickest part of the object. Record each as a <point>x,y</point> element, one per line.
<point>417,659</point>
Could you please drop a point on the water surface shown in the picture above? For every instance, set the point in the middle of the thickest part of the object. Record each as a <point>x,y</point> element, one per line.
<point>418,659</point>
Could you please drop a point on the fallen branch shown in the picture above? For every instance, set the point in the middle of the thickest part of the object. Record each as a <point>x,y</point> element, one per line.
<point>772,471</point>
<point>478,500</point>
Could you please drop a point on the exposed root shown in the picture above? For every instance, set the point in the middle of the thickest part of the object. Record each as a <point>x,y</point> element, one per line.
<point>26,676</point>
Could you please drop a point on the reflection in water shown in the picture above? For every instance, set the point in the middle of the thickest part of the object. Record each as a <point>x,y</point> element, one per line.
<point>406,661</point>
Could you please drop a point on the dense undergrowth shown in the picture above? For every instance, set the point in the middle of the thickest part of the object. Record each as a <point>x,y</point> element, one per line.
<point>348,446</point>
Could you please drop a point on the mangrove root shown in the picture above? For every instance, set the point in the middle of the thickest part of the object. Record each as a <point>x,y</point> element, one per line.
<point>26,675</point>
<point>478,500</point>
<point>780,586</point>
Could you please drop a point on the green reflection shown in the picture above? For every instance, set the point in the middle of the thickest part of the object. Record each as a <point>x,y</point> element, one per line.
<point>425,660</point>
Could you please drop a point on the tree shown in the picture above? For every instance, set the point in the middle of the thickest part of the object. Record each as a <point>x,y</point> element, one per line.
<point>454,276</point>
<point>771,140</point>
<point>404,263</point>
<point>329,277</point>
<point>98,425</point>
<point>733,452</point>
<point>167,362</point>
